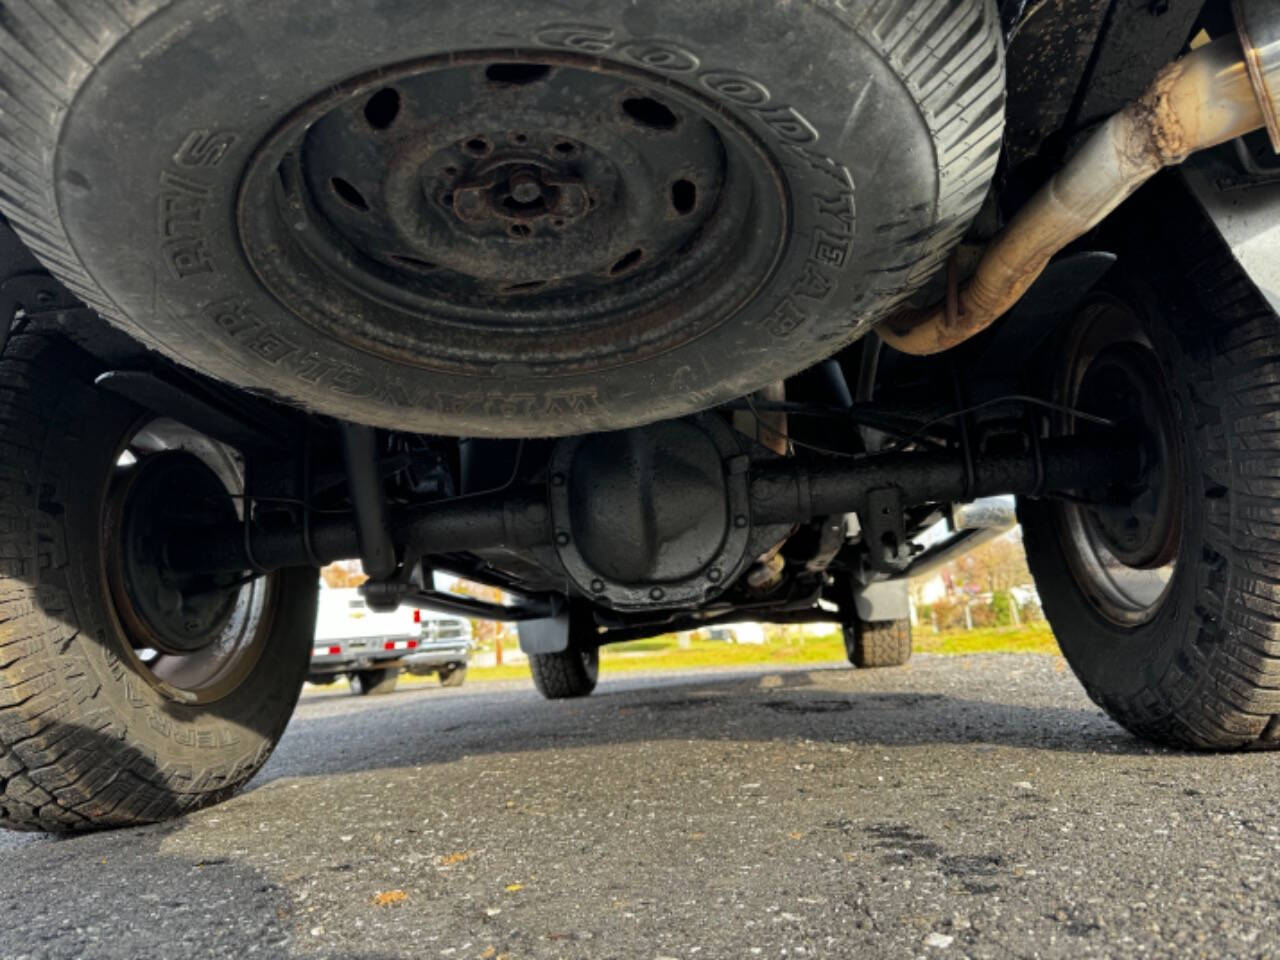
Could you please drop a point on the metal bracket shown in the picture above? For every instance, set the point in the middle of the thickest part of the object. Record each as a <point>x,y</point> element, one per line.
<point>528,607</point>
<point>36,293</point>
<point>170,399</point>
<point>388,594</point>
<point>884,530</point>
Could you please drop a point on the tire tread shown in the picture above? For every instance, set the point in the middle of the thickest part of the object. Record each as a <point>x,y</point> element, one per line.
<point>1221,690</point>
<point>561,676</point>
<point>879,643</point>
<point>68,756</point>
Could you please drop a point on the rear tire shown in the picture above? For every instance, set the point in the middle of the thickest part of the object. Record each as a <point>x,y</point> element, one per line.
<point>453,676</point>
<point>90,735</point>
<point>883,643</point>
<point>368,682</point>
<point>1194,662</point>
<point>567,674</point>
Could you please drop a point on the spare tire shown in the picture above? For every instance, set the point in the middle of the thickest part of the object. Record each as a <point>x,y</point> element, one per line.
<point>484,218</point>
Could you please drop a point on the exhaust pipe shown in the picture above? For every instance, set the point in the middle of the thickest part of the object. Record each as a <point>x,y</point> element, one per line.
<point>1259,26</point>
<point>1216,93</point>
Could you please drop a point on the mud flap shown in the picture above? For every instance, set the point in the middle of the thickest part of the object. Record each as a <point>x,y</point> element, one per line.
<point>548,635</point>
<point>879,601</point>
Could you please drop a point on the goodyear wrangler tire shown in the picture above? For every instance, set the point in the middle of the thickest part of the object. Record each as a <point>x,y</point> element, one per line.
<point>99,727</point>
<point>400,213</point>
<point>1170,615</point>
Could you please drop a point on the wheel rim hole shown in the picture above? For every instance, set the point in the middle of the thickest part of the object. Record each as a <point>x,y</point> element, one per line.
<point>345,191</point>
<point>519,138</point>
<point>519,230</point>
<point>527,287</point>
<point>478,146</point>
<point>447,199</point>
<point>650,113</point>
<point>565,148</point>
<point>381,110</point>
<point>684,196</point>
<point>414,263</point>
<point>516,74</point>
<point>627,262</point>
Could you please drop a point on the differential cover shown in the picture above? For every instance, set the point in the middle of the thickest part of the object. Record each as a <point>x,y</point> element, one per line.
<point>653,516</point>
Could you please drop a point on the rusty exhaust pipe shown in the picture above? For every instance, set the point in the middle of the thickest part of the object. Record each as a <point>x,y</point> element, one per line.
<point>1216,93</point>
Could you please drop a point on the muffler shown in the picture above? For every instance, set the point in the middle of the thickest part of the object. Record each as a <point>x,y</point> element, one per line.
<point>1216,93</point>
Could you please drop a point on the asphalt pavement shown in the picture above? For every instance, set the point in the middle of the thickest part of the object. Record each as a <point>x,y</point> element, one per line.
<point>960,806</point>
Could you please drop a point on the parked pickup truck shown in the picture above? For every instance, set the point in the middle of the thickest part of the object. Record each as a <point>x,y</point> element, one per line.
<point>373,647</point>
<point>647,317</point>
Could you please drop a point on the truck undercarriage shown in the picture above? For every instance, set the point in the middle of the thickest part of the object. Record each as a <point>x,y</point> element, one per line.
<point>651,318</point>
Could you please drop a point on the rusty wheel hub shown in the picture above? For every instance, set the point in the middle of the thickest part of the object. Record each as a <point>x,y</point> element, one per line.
<point>520,199</point>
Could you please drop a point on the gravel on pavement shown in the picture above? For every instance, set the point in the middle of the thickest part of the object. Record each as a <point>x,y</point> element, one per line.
<point>960,806</point>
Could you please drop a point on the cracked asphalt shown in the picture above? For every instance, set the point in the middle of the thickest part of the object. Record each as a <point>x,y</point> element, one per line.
<point>961,806</point>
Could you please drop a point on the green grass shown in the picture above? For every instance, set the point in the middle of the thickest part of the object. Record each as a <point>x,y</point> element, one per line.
<point>665,654</point>
<point>1036,638</point>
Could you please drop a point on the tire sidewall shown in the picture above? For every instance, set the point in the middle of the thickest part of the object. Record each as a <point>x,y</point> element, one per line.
<point>591,665</point>
<point>215,744</point>
<point>852,634</point>
<point>151,154</point>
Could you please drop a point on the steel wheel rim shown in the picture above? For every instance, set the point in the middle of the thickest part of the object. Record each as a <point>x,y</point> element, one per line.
<point>672,213</point>
<point>1127,596</point>
<point>238,635</point>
